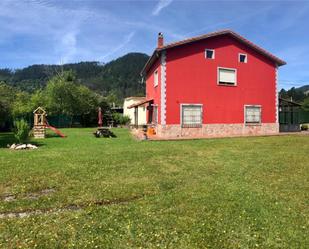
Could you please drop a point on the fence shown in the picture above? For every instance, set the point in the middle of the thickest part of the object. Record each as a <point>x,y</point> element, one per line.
<point>304,116</point>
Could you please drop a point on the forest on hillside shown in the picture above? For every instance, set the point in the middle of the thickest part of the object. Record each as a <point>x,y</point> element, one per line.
<point>299,95</point>
<point>117,79</point>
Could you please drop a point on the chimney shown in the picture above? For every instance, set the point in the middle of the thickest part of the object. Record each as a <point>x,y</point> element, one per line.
<point>160,40</point>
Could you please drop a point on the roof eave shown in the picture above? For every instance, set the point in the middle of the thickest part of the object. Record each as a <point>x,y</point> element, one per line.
<point>150,61</point>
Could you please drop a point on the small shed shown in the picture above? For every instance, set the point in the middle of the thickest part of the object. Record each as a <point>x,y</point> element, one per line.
<point>289,115</point>
<point>39,123</point>
<point>138,113</point>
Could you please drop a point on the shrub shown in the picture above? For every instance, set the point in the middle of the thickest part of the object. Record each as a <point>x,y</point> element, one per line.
<point>304,127</point>
<point>120,119</point>
<point>21,130</point>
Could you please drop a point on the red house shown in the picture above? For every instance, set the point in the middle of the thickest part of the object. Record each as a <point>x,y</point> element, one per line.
<point>218,84</point>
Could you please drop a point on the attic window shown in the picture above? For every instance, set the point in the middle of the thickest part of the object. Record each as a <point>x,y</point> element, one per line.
<point>210,53</point>
<point>156,78</point>
<point>243,58</point>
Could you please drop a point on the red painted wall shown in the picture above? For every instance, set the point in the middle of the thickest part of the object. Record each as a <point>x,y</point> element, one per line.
<point>191,78</point>
<point>151,91</point>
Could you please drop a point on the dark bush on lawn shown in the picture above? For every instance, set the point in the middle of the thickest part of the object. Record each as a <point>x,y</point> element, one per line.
<point>120,119</point>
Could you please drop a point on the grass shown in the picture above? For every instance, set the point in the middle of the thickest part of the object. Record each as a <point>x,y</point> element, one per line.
<point>213,193</point>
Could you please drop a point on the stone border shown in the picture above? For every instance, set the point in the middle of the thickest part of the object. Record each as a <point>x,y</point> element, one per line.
<point>217,130</point>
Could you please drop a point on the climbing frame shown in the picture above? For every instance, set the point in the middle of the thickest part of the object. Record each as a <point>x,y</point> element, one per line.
<point>39,123</point>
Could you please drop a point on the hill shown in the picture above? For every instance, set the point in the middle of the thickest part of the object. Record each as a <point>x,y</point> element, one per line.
<point>304,89</point>
<point>297,94</point>
<point>120,77</point>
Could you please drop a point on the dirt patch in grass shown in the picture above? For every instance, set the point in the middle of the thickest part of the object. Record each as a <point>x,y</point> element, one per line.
<point>29,196</point>
<point>71,207</point>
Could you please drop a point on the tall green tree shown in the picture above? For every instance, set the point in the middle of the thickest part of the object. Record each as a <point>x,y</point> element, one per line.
<point>7,97</point>
<point>61,93</point>
<point>305,104</point>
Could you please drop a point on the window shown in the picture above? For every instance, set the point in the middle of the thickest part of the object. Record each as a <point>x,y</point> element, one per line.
<point>191,115</point>
<point>210,53</point>
<point>252,114</point>
<point>155,115</point>
<point>226,76</point>
<point>156,78</point>
<point>243,58</point>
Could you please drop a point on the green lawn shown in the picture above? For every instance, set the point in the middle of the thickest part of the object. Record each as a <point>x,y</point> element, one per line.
<point>212,193</point>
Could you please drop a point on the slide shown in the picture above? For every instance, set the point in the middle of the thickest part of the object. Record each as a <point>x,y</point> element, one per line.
<point>55,130</point>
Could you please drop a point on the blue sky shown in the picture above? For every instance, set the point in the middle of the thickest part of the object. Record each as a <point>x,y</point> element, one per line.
<point>43,31</point>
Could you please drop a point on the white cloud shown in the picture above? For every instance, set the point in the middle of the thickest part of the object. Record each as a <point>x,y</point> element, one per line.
<point>161,5</point>
<point>45,22</point>
<point>126,40</point>
<point>69,48</point>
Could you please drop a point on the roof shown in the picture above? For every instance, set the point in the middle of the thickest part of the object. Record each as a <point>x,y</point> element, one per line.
<point>39,110</point>
<point>134,97</point>
<point>231,33</point>
<point>289,101</point>
<point>140,103</point>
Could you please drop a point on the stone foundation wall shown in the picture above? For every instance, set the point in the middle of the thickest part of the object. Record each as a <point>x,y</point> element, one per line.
<point>217,130</point>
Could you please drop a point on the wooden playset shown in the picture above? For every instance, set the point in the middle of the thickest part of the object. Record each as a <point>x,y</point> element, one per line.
<point>40,124</point>
<point>39,128</point>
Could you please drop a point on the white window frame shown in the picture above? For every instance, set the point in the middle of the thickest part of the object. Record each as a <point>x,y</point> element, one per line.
<point>245,120</point>
<point>213,54</point>
<point>246,60</point>
<point>194,125</point>
<point>156,78</point>
<point>225,84</point>
<point>156,120</point>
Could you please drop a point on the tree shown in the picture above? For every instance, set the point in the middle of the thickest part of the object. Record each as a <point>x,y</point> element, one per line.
<point>64,96</point>
<point>7,96</point>
<point>21,106</point>
<point>305,104</point>
<point>61,93</point>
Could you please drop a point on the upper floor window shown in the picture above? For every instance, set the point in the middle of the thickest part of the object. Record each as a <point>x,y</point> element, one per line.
<point>156,78</point>
<point>253,114</point>
<point>243,58</point>
<point>210,53</point>
<point>227,76</point>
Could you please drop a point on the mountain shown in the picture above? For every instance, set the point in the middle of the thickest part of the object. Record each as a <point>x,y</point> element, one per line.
<point>304,89</point>
<point>120,77</point>
<point>297,94</point>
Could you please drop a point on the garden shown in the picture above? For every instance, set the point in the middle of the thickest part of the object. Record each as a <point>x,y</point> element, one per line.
<point>74,190</point>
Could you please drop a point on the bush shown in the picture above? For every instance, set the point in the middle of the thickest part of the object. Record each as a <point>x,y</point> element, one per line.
<point>120,119</point>
<point>21,130</point>
<point>304,127</point>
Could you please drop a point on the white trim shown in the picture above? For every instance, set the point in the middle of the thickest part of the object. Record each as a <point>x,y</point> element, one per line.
<point>251,124</point>
<point>246,59</point>
<point>163,88</point>
<point>190,104</point>
<point>218,76</point>
<point>276,95</point>
<point>213,54</point>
